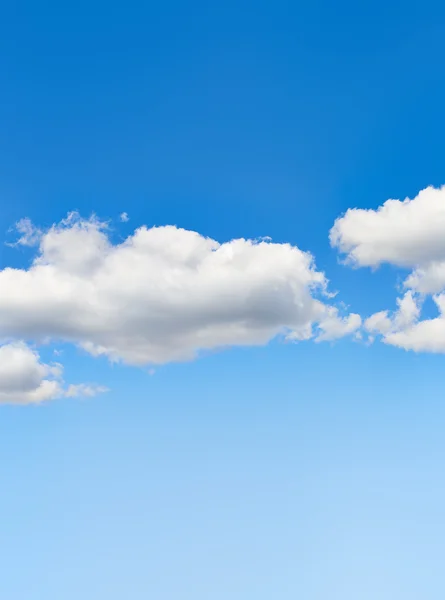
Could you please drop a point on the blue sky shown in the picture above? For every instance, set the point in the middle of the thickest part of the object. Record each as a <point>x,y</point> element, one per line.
<point>274,468</point>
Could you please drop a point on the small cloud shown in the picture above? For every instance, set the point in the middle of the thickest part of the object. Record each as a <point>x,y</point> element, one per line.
<point>84,390</point>
<point>124,218</point>
<point>25,379</point>
<point>29,234</point>
<point>333,326</point>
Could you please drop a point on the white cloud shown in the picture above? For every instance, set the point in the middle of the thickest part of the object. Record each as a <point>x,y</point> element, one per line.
<point>408,311</point>
<point>163,294</point>
<point>84,390</point>
<point>124,217</point>
<point>427,335</point>
<point>24,379</point>
<point>29,235</point>
<point>407,314</point>
<point>408,234</point>
<point>378,323</point>
<point>333,327</point>
<point>427,279</point>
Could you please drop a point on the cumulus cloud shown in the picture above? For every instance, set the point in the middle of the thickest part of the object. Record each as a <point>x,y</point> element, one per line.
<point>333,327</point>
<point>409,234</point>
<point>164,293</point>
<point>124,217</point>
<point>427,279</point>
<point>406,233</point>
<point>427,335</point>
<point>403,318</point>
<point>24,379</point>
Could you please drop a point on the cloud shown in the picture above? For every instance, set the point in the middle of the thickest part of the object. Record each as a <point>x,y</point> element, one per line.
<point>409,234</point>
<point>24,379</point>
<point>406,315</point>
<point>333,327</point>
<point>163,294</point>
<point>124,218</point>
<point>29,235</point>
<point>427,335</point>
<point>427,279</point>
<point>84,390</point>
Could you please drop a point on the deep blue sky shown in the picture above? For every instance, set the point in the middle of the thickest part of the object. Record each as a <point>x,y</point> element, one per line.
<point>284,472</point>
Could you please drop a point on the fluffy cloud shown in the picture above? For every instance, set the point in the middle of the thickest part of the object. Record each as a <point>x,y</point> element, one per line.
<point>24,379</point>
<point>406,315</point>
<point>405,331</point>
<point>163,294</point>
<point>427,279</point>
<point>333,327</point>
<point>408,234</point>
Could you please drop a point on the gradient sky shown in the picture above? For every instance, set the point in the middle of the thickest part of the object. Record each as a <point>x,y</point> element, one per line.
<point>279,471</point>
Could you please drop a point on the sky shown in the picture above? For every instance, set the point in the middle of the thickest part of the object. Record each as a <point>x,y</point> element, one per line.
<point>222,300</point>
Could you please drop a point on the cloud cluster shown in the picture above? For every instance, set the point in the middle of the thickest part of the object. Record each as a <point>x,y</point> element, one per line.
<point>167,294</point>
<point>24,379</point>
<point>409,234</point>
<point>163,294</point>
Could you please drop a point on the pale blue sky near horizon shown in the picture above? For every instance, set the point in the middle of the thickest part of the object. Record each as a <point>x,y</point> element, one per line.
<point>310,471</point>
